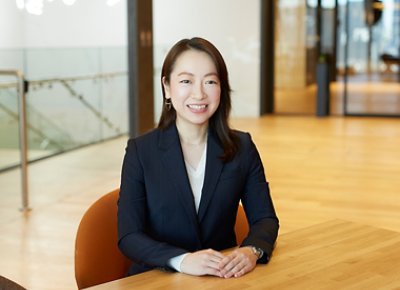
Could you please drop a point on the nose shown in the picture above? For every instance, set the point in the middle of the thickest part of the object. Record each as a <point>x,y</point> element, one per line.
<point>198,92</point>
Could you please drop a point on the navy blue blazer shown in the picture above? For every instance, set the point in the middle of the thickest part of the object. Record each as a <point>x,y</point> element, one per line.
<point>157,219</point>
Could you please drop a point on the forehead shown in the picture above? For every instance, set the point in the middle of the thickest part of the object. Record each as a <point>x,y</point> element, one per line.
<point>194,61</point>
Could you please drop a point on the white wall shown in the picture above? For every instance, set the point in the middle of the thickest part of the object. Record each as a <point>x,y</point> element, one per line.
<point>232,25</point>
<point>11,35</point>
<point>87,23</point>
<point>11,25</point>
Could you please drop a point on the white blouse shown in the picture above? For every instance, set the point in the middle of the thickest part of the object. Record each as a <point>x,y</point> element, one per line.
<point>196,179</point>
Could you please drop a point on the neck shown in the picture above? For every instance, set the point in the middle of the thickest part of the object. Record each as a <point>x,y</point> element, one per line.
<point>192,134</point>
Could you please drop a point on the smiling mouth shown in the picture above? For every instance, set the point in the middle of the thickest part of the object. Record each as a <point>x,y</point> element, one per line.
<point>197,107</point>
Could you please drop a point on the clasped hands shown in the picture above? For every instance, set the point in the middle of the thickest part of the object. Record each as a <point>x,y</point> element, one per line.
<point>210,262</point>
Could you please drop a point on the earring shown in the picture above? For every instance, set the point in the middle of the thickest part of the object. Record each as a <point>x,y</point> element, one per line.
<point>168,104</point>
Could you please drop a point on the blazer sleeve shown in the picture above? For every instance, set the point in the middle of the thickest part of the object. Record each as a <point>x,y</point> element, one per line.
<point>258,205</point>
<point>133,239</point>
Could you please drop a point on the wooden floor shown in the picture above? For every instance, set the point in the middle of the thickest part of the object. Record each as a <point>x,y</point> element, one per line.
<point>364,97</point>
<point>318,168</point>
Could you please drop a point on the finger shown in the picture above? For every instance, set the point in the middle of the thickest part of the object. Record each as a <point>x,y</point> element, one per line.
<point>213,272</point>
<point>248,267</point>
<point>234,261</point>
<point>209,260</point>
<point>211,264</point>
<point>215,259</point>
<point>225,261</point>
<point>241,261</point>
<point>241,273</point>
<point>216,254</point>
<point>237,269</point>
<point>231,265</point>
<point>222,264</point>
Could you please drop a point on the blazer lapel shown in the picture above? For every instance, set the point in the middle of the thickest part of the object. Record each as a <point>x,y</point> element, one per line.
<point>214,167</point>
<point>172,158</point>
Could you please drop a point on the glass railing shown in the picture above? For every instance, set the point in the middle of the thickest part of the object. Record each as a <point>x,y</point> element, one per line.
<point>9,122</point>
<point>75,97</point>
<point>22,124</point>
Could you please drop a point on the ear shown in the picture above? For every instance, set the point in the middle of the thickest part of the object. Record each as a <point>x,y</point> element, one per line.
<point>166,88</point>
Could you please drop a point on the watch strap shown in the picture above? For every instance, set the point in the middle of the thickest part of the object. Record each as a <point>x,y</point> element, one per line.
<point>257,251</point>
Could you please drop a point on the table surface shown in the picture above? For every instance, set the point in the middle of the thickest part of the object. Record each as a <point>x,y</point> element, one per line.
<point>333,255</point>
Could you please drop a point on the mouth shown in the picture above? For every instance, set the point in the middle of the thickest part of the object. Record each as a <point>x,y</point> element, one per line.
<point>197,107</point>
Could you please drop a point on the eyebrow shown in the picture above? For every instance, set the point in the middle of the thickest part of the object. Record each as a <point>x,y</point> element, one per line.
<point>206,75</point>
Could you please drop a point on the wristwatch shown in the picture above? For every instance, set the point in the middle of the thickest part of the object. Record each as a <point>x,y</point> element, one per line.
<point>257,251</point>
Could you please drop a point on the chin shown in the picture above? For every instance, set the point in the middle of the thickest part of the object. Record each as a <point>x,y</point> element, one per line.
<point>199,122</point>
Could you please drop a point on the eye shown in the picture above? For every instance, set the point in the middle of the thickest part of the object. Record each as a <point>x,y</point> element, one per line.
<point>184,81</point>
<point>211,82</point>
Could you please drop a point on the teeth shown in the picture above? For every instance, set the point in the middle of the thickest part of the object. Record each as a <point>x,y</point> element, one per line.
<point>197,107</point>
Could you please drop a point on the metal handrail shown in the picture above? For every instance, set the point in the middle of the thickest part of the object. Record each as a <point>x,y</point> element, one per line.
<point>23,140</point>
<point>66,83</point>
<point>69,79</point>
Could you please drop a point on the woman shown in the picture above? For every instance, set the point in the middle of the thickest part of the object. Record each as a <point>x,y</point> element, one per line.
<point>182,183</point>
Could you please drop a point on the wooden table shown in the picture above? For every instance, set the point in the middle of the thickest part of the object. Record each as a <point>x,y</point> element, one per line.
<point>333,255</point>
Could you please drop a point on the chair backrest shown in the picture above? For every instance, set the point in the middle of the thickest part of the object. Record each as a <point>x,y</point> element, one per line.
<point>8,284</point>
<point>241,226</point>
<point>97,257</point>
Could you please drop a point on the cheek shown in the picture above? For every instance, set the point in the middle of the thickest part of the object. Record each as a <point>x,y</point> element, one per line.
<point>178,92</point>
<point>215,94</point>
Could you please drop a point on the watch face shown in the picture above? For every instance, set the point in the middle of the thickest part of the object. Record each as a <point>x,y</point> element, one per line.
<point>259,252</point>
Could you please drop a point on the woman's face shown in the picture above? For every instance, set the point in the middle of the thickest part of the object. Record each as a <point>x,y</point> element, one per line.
<point>194,88</point>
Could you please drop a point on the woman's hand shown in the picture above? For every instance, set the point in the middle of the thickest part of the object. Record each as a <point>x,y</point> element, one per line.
<point>239,262</point>
<point>204,262</point>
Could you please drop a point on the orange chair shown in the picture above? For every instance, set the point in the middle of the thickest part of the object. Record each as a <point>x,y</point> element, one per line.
<point>97,257</point>
<point>241,226</point>
<point>7,284</point>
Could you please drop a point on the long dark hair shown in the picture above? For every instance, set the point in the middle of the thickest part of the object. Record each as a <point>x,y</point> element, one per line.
<point>219,120</point>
